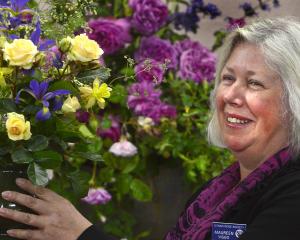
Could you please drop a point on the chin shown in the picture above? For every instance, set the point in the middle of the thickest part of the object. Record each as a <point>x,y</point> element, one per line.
<point>235,145</point>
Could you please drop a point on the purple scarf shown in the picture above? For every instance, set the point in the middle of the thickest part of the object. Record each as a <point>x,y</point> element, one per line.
<point>219,196</point>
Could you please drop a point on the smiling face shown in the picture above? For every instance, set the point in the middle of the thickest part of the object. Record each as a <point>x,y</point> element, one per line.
<point>249,105</point>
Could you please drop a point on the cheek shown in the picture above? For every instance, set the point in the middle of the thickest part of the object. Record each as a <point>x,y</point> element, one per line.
<point>267,111</point>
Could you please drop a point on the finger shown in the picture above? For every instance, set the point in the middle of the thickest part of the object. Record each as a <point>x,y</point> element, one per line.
<point>24,234</point>
<point>40,192</point>
<point>22,217</point>
<point>33,203</point>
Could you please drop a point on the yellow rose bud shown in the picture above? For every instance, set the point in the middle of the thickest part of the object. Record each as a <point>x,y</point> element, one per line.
<point>71,104</point>
<point>65,44</point>
<point>84,49</point>
<point>17,128</point>
<point>21,53</point>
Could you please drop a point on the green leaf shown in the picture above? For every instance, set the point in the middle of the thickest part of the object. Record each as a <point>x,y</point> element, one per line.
<point>48,159</point>
<point>83,129</point>
<point>91,156</point>
<point>123,183</point>
<point>64,85</point>
<point>21,155</point>
<point>88,77</point>
<point>37,75</point>
<point>79,181</point>
<point>140,191</point>
<point>129,164</point>
<point>37,174</point>
<point>95,145</point>
<point>7,105</point>
<point>37,143</point>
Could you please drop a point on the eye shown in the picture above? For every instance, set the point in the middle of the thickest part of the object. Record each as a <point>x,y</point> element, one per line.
<point>227,78</point>
<point>255,84</point>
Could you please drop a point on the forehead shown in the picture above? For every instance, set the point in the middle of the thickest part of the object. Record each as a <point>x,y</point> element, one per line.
<point>248,58</point>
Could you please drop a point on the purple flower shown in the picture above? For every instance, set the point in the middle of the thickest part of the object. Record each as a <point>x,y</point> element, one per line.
<point>196,62</point>
<point>82,116</point>
<point>143,97</point>
<point>123,148</point>
<point>162,110</point>
<point>97,196</point>
<point>40,92</point>
<point>149,71</point>
<point>148,15</point>
<point>235,22</point>
<point>145,101</point>
<point>114,132</point>
<point>157,49</point>
<point>110,34</point>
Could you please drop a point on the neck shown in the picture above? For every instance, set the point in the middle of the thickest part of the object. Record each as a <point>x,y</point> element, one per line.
<point>249,161</point>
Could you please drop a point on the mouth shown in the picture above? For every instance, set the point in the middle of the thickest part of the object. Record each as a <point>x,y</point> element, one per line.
<point>234,120</point>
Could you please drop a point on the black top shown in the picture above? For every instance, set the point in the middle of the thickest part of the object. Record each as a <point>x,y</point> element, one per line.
<point>271,210</point>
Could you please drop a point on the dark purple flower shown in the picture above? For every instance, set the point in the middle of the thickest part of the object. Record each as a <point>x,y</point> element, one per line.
<point>149,71</point>
<point>187,21</point>
<point>40,92</point>
<point>211,10</point>
<point>148,15</point>
<point>157,49</point>
<point>82,116</point>
<point>114,132</point>
<point>248,9</point>
<point>97,196</point>
<point>235,22</point>
<point>264,6</point>
<point>276,3</point>
<point>110,34</point>
<point>197,4</point>
<point>196,62</point>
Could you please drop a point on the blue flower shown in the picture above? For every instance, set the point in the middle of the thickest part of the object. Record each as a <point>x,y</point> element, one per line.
<point>39,91</point>
<point>15,5</point>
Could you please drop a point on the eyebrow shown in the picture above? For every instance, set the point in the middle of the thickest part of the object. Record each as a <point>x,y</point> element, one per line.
<point>232,71</point>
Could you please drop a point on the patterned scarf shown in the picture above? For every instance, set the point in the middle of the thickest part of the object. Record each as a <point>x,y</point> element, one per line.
<point>220,195</point>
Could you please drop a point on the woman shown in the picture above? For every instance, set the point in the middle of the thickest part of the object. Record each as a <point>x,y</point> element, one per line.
<point>256,115</point>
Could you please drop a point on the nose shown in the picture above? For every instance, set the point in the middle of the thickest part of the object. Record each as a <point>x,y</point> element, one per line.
<point>234,95</point>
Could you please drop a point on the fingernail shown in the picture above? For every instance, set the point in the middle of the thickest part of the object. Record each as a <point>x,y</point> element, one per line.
<point>20,181</point>
<point>6,194</point>
<point>10,232</point>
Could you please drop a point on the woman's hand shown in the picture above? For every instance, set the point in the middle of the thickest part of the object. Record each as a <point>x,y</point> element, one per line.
<point>56,217</point>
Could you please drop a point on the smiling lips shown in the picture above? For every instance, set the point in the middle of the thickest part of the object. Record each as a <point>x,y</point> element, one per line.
<point>234,120</point>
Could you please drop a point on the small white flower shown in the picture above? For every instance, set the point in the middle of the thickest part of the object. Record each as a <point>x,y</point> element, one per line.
<point>145,122</point>
<point>123,148</point>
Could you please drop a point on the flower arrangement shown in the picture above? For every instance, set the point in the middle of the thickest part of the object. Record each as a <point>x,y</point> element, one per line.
<point>105,103</point>
<point>43,83</point>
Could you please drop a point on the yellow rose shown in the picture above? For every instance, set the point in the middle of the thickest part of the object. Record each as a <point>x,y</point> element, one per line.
<point>17,128</point>
<point>84,49</point>
<point>21,52</point>
<point>70,105</point>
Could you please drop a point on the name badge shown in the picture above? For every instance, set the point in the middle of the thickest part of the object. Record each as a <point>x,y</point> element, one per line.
<point>227,231</point>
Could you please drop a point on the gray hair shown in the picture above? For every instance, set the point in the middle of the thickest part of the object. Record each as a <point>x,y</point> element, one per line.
<point>279,41</point>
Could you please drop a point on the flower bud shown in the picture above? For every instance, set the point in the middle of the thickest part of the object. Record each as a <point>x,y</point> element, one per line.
<point>65,44</point>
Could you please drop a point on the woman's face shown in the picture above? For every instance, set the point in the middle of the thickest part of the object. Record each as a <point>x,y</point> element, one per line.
<point>249,104</point>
